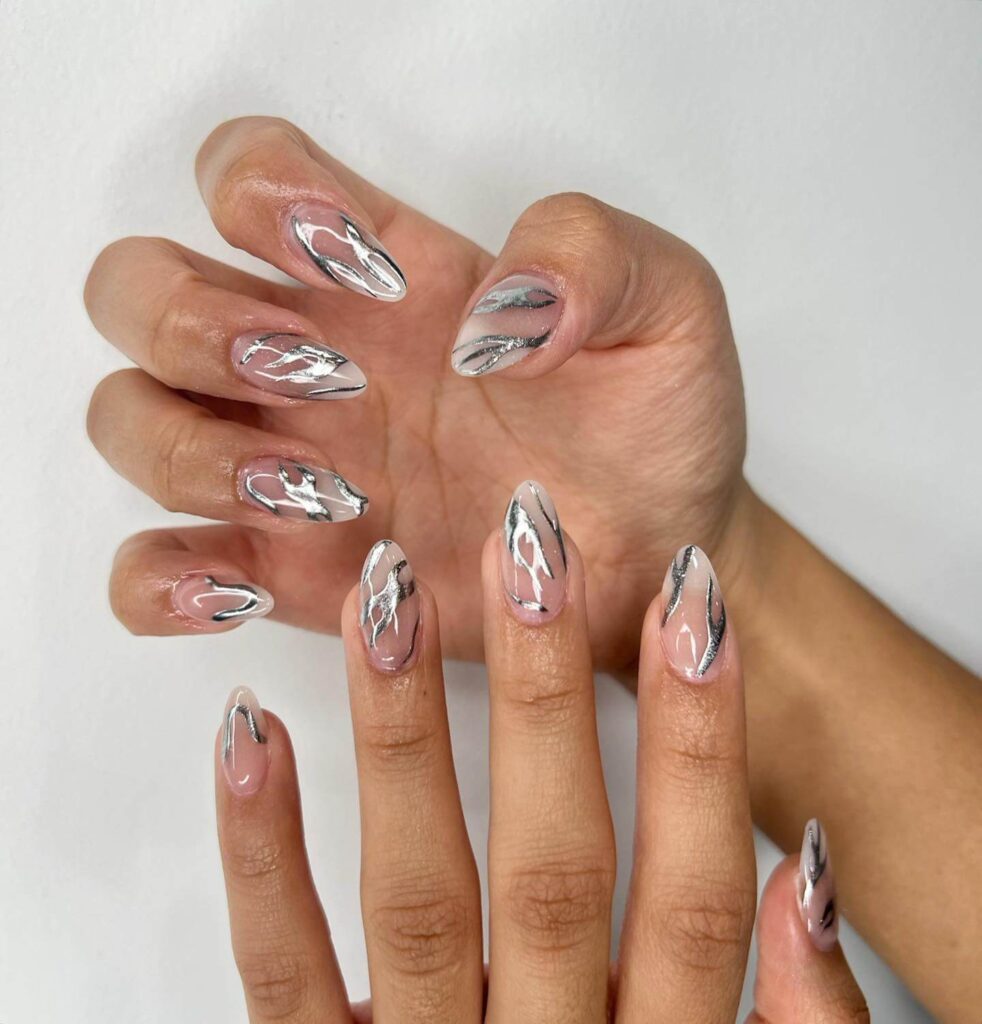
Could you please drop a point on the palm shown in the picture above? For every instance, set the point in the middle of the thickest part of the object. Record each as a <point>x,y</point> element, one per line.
<point>637,444</point>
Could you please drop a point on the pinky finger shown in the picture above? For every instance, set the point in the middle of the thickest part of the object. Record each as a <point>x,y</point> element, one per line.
<point>802,976</point>
<point>162,585</point>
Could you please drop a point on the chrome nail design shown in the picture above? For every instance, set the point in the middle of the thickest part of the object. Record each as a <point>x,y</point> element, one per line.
<point>298,491</point>
<point>816,888</point>
<point>534,554</point>
<point>510,321</point>
<point>204,598</point>
<point>390,612</point>
<point>347,253</point>
<point>245,753</point>
<point>296,367</point>
<point>694,619</point>
<point>250,719</point>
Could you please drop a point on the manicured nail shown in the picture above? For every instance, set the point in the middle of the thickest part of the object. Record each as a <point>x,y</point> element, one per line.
<point>389,607</point>
<point>206,599</point>
<point>296,491</point>
<point>816,888</point>
<point>344,251</point>
<point>510,321</point>
<point>533,555</point>
<point>245,755</point>
<point>694,620</point>
<point>295,366</point>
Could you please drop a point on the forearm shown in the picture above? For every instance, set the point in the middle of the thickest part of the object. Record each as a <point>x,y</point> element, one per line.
<point>855,718</point>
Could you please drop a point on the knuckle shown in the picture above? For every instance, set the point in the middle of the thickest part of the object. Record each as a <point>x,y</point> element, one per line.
<point>422,933</point>
<point>102,405</point>
<point>173,448</point>
<point>575,211</point>
<point>701,756</point>
<point>400,747</point>
<point>558,907</point>
<point>707,926</point>
<point>276,985</point>
<point>254,859</point>
<point>164,325</point>
<point>543,700</point>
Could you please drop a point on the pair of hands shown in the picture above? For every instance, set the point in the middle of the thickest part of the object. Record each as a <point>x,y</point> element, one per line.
<point>551,858</point>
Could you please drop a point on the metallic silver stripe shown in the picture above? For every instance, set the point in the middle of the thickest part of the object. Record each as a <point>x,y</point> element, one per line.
<point>250,599</point>
<point>319,361</point>
<point>522,297</point>
<point>678,580</point>
<point>490,349</point>
<point>250,719</point>
<point>716,630</point>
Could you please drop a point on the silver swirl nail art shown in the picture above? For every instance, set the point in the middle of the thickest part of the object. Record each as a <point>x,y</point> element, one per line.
<point>314,367</point>
<point>695,644</point>
<point>250,719</point>
<point>520,297</point>
<point>816,887</point>
<point>678,570</point>
<point>525,518</point>
<point>390,611</point>
<point>368,268</point>
<point>483,354</point>
<point>249,596</point>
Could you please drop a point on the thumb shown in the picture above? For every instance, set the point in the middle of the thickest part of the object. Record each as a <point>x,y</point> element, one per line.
<point>577,273</point>
<point>802,976</point>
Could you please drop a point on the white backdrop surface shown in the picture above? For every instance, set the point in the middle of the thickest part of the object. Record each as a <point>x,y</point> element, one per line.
<point>825,156</point>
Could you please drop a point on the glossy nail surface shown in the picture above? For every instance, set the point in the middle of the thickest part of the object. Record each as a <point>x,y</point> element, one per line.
<point>297,491</point>
<point>533,555</point>
<point>816,888</point>
<point>245,754</point>
<point>296,367</point>
<point>208,600</point>
<point>389,603</point>
<point>344,252</point>
<point>694,620</point>
<point>509,322</point>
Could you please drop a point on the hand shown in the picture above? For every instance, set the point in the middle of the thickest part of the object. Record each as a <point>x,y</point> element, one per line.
<point>630,411</point>
<point>551,848</point>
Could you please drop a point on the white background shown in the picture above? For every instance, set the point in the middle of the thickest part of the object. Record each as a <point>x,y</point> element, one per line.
<point>825,156</point>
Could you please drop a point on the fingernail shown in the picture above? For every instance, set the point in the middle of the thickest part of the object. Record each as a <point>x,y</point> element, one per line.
<point>389,607</point>
<point>297,491</point>
<point>816,888</point>
<point>295,366</point>
<point>533,555</point>
<point>344,252</point>
<point>509,322</point>
<point>245,754</point>
<point>206,599</point>
<point>694,621</point>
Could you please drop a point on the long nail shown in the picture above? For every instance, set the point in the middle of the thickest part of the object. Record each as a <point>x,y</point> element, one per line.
<point>533,555</point>
<point>693,623</point>
<point>295,366</point>
<point>509,322</point>
<point>389,602</point>
<point>245,754</point>
<point>206,599</point>
<point>816,888</point>
<point>294,490</point>
<point>344,251</point>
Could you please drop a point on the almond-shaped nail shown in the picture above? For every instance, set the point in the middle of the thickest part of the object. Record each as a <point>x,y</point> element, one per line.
<point>390,619</point>
<point>513,319</point>
<point>295,490</point>
<point>693,623</point>
<point>295,366</point>
<point>207,599</point>
<point>340,249</point>
<point>533,555</point>
<point>245,753</point>
<point>816,888</point>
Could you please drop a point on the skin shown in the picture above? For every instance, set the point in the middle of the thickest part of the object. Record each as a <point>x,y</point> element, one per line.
<point>551,851</point>
<point>633,418</point>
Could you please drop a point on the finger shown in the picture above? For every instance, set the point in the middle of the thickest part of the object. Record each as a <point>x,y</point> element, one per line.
<point>280,938</point>
<point>575,272</point>
<point>181,317</point>
<point>692,896</point>
<point>273,192</point>
<point>421,898</point>
<point>802,976</point>
<point>189,460</point>
<point>551,859</point>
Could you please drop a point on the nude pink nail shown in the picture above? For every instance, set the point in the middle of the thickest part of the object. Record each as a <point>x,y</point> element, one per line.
<point>694,621</point>
<point>295,490</point>
<point>390,614</point>
<point>533,555</point>
<point>510,321</point>
<point>816,888</point>
<point>295,367</point>
<point>336,247</point>
<point>245,753</point>
<point>206,599</point>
